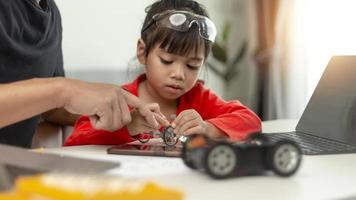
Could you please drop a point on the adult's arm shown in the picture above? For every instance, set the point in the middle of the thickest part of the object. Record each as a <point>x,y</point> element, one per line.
<point>61,117</point>
<point>104,103</point>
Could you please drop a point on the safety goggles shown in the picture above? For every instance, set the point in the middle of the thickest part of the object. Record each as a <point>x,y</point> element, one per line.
<point>182,21</point>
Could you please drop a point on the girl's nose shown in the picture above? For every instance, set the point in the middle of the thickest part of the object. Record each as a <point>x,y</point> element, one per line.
<point>178,72</point>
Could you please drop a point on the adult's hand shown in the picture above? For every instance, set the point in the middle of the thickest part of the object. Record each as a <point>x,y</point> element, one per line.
<point>146,118</point>
<point>104,103</point>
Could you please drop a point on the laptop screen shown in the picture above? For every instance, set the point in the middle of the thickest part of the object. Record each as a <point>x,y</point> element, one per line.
<point>331,111</point>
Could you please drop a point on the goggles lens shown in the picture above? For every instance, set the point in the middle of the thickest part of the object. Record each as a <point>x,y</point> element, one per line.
<point>183,20</point>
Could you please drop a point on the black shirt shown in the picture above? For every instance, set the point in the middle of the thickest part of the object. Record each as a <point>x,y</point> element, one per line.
<point>30,46</point>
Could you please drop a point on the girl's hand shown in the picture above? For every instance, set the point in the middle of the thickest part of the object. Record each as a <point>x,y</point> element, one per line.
<point>152,115</point>
<point>189,122</point>
<point>146,118</point>
<point>146,110</point>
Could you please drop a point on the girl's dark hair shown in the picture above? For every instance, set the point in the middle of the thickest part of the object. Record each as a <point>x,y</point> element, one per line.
<point>175,42</point>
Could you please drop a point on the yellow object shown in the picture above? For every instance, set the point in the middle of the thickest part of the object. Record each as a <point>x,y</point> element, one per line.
<point>70,187</point>
<point>39,150</point>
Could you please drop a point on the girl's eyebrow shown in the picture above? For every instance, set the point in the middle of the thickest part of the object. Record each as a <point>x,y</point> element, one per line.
<point>195,58</point>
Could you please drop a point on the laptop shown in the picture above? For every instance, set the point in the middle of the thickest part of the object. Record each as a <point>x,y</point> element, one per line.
<point>328,123</point>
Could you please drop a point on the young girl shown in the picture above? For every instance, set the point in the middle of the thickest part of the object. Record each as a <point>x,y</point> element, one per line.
<point>176,38</point>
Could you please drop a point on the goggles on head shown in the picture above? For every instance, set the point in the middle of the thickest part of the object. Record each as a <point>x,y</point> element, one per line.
<point>182,21</point>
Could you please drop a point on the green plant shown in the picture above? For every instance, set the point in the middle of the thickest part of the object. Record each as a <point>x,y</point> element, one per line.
<point>221,54</point>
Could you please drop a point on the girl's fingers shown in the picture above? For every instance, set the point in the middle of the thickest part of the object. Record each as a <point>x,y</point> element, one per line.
<point>183,117</point>
<point>139,124</point>
<point>177,120</point>
<point>154,107</point>
<point>187,125</point>
<point>147,128</point>
<point>160,120</point>
<point>194,130</point>
<point>144,128</point>
<point>153,115</point>
<point>151,119</point>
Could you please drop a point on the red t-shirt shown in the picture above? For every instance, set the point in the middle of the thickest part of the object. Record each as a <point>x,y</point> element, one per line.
<point>232,118</point>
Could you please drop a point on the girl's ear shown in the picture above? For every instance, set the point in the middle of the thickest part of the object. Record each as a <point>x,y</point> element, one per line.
<point>141,51</point>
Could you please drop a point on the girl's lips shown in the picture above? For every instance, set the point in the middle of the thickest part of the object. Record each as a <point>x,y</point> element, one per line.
<point>173,88</point>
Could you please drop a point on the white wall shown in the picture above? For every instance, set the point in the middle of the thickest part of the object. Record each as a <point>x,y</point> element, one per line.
<point>104,33</point>
<point>100,33</point>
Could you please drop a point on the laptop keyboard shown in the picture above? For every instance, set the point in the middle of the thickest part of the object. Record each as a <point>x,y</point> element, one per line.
<point>312,145</point>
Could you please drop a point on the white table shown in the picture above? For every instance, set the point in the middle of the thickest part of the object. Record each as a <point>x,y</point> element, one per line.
<point>319,177</point>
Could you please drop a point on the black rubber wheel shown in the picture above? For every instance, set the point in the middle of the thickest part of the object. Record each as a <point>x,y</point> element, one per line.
<point>285,158</point>
<point>221,160</point>
<point>186,156</point>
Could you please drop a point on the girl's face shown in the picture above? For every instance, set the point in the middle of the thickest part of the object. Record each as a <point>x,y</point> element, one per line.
<point>170,75</point>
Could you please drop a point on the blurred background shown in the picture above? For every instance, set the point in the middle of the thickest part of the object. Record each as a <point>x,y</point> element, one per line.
<point>269,54</point>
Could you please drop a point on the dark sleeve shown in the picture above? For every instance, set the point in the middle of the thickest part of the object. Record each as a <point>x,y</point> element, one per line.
<point>59,71</point>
